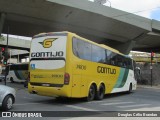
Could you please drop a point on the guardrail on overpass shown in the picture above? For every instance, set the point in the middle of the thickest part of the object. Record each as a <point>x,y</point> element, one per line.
<point>145,57</point>
<point>16,43</point>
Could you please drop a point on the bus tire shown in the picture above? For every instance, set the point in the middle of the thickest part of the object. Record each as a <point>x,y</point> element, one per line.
<point>11,79</point>
<point>100,93</point>
<point>130,88</point>
<point>91,93</point>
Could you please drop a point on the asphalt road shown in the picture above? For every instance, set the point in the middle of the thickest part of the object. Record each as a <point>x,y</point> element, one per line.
<point>143,99</point>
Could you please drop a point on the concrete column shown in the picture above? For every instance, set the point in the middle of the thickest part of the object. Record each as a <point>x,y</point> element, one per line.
<point>125,48</point>
<point>2,20</point>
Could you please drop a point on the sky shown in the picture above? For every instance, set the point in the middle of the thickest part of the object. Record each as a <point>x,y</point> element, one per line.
<point>146,8</point>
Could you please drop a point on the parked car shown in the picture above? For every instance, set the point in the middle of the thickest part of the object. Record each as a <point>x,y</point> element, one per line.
<point>7,97</point>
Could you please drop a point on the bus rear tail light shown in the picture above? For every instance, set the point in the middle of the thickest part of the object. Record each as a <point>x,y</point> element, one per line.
<point>66,78</point>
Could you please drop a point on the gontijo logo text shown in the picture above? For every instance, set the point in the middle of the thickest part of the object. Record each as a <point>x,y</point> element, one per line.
<point>47,43</point>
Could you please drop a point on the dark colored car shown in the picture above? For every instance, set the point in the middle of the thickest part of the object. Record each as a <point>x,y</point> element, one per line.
<point>2,77</point>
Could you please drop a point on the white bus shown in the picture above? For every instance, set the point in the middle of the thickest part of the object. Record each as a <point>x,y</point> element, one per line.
<point>17,72</point>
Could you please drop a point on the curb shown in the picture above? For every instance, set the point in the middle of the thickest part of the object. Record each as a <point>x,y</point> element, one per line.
<point>149,87</point>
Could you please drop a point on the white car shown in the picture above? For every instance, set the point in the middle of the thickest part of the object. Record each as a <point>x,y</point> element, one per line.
<point>7,97</point>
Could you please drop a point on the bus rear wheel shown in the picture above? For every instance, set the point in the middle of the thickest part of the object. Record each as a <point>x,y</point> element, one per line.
<point>91,93</point>
<point>100,93</point>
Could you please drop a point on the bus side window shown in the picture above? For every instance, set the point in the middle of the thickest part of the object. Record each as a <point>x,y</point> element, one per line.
<point>98,54</point>
<point>114,59</point>
<point>130,64</point>
<point>81,49</point>
<point>125,63</point>
<point>75,47</point>
<point>109,58</point>
<point>87,51</point>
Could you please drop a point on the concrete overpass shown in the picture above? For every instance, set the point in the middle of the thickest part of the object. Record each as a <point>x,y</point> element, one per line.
<point>18,48</point>
<point>15,43</point>
<point>105,25</point>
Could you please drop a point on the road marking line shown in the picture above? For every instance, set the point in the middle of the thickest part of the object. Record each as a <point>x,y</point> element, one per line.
<point>27,103</point>
<point>138,96</point>
<point>27,98</point>
<point>117,103</point>
<point>105,101</point>
<point>127,106</point>
<point>146,109</point>
<point>81,108</point>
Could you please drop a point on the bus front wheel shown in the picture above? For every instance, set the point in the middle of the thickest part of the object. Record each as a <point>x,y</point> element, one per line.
<point>91,93</point>
<point>130,88</point>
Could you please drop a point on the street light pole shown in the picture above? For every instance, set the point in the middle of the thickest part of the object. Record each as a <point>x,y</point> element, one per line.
<point>151,73</point>
<point>151,67</point>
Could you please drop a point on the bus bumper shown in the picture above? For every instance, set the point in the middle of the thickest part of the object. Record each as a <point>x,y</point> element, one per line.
<point>49,91</point>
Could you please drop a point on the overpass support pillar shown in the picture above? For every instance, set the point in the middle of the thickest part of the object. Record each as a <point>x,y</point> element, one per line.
<point>2,19</point>
<point>126,47</point>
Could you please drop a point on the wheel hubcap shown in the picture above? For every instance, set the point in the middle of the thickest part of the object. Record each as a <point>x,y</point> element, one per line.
<point>9,103</point>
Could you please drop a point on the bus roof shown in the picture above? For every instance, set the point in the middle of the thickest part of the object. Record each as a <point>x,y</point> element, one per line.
<point>67,32</point>
<point>101,45</point>
<point>50,33</point>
